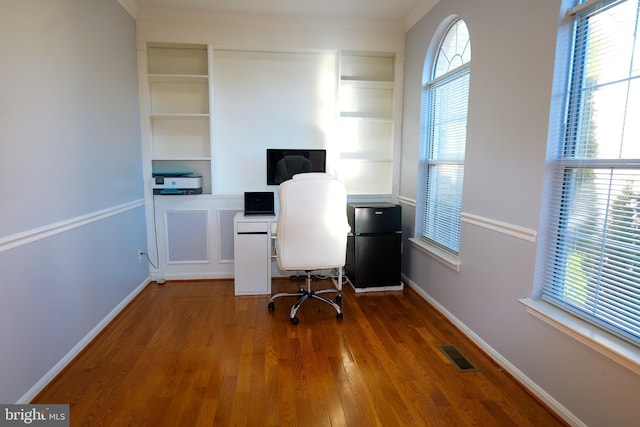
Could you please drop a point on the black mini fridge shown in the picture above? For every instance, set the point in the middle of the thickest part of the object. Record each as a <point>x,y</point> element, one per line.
<point>375,245</point>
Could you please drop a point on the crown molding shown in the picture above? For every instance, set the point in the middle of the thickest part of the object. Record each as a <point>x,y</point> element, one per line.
<point>409,21</point>
<point>130,6</point>
<point>417,13</point>
<point>157,14</point>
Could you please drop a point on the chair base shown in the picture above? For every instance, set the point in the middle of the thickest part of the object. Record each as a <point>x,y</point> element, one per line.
<point>306,294</point>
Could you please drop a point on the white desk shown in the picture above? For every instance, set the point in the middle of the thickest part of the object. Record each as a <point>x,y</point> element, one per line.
<point>252,253</point>
<point>253,247</point>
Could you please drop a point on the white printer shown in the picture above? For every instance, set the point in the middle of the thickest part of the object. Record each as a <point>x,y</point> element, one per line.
<point>176,183</point>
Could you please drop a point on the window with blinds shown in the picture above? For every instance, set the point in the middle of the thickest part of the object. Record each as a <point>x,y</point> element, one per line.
<point>444,106</point>
<point>592,262</point>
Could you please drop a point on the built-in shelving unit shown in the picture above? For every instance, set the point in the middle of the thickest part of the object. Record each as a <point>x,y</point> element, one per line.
<point>366,127</point>
<point>196,103</point>
<point>178,78</point>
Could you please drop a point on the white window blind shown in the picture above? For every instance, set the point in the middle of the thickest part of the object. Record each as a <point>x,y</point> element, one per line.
<point>592,263</point>
<point>445,104</point>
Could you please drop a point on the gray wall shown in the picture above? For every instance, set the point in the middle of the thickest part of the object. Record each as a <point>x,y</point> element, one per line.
<point>512,72</point>
<point>72,216</point>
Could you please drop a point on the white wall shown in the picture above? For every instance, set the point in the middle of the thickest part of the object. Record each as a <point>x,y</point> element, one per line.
<point>513,52</point>
<point>72,216</point>
<point>288,103</point>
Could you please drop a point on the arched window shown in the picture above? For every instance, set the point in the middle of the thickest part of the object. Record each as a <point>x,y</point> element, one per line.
<point>445,102</point>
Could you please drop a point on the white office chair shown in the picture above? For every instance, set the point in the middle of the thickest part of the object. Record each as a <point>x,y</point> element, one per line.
<point>312,234</point>
<point>289,166</point>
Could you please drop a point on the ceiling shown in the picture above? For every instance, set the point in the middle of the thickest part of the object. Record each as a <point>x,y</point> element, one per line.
<point>392,11</point>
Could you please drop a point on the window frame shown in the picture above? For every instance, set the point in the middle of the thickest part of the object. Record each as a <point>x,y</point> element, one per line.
<point>448,254</point>
<point>562,162</point>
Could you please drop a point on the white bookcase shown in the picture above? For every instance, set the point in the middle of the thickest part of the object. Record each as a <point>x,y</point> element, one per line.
<point>366,124</point>
<point>178,78</point>
<point>197,117</point>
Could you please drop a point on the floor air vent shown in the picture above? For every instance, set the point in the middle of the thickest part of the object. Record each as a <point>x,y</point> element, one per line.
<point>458,359</point>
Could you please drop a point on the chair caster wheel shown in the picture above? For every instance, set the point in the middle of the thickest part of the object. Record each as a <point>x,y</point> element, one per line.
<point>339,316</point>
<point>271,306</point>
<point>338,299</point>
<point>294,320</point>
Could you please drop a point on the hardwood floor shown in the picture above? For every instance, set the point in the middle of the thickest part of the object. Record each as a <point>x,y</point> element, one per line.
<point>190,353</point>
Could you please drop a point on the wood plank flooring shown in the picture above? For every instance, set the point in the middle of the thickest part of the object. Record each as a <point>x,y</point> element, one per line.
<point>190,353</point>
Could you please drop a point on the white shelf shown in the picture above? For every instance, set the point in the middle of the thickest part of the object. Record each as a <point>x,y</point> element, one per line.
<point>366,101</point>
<point>185,159</point>
<point>178,82</point>
<point>366,125</point>
<point>179,115</point>
<point>366,116</point>
<point>367,84</point>
<point>365,119</point>
<point>177,59</point>
<point>372,66</point>
<point>180,136</point>
<point>178,78</point>
<point>366,176</point>
<point>179,97</point>
<point>197,166</point>
<point>366,157</point>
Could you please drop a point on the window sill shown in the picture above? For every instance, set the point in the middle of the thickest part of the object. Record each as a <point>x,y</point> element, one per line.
<point>607,344</point>
<point>446,258</point>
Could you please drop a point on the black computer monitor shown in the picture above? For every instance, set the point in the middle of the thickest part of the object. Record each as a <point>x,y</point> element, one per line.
<point>282,164</point>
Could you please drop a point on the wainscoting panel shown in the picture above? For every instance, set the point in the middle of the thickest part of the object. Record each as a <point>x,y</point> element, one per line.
<point>187,236</point>
<point>225,228</point>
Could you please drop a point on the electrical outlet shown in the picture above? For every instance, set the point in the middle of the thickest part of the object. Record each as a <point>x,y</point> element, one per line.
<point>140,256</point>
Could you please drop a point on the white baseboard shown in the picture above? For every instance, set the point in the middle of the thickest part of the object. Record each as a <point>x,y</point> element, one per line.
<point>191,276</point>
<point>530,385</point>
<point>75,351</point>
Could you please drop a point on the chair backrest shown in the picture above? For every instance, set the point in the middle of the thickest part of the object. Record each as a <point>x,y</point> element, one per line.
<point>312,223</point>
<point>288,166</point>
